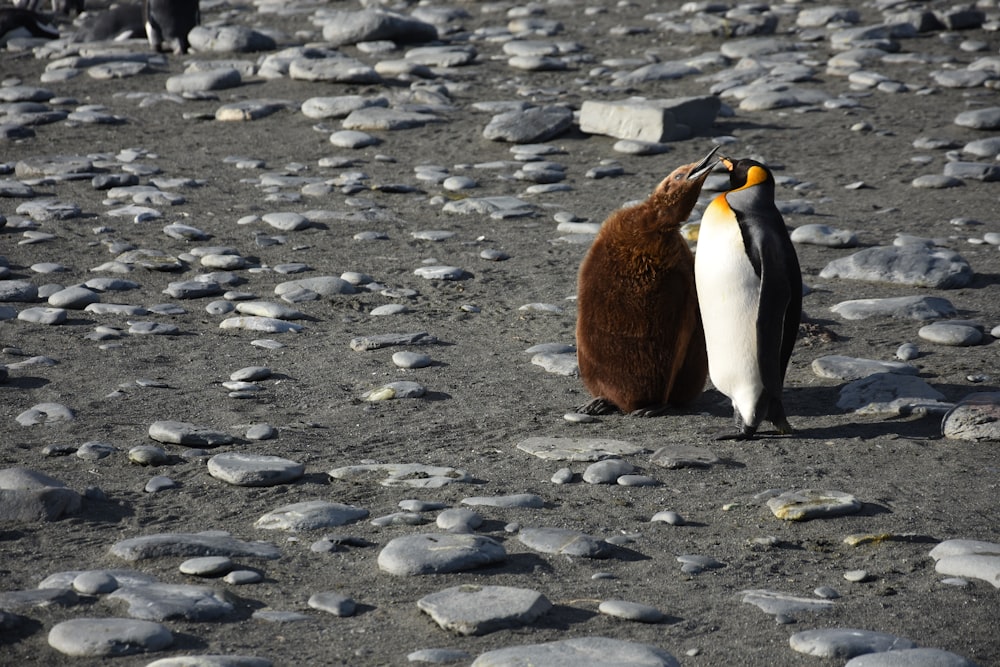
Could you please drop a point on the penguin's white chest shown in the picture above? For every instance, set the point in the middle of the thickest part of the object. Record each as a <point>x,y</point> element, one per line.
<point>729,298</point>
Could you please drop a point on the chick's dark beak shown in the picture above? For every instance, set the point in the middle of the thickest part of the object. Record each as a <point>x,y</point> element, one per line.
<point>702,168</point>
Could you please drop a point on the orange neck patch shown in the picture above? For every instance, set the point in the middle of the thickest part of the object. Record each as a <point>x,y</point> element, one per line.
<point>755,176</point>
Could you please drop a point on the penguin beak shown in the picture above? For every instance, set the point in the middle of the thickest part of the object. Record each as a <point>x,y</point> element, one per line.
<point>703,167</point>
<point>727,162</point>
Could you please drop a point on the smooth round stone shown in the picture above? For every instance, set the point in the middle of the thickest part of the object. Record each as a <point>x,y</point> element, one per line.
<point>607,471</point>
<point>389,309</point>
<point>45,413</point>
<point>695,563</point>
<point>955,335</point>
<point>801,505</point>
<point>459,183</point>
<point>493,255</point>
<point>242,469</point>
<point>250,374</point>
<point>159,483</point>
<point>94,451</point>
<point>439,656</point>
<point>415,505</point>
<point>458,520</point>
<point>580,418</point>
<point>352,139</point>
<point>844,643</point>
<point>411,360</point>
<point>286,221</point>
<point>839,367</point>
<point>936,182</point>
<point>824,235</point>
<point>907,352</point>
<point>206,566</point>
<point>184,433</point>
<point>856,576</point>
<point>43,315</point>
<point>147,455</point>
<point>669,517</point>
<point>579,652</point>
<point>333,603</point>
<point>479,610</point>
<point>244,577</point>
<point>93,637</point>
<point>637,480</point>
<point>439,553</point>
<point>94,582</point>
<point>73,298</point>
<point>631,611</point>
<point>261,432</point>
<point>441,273</point>
<point>212,660</point>
<point>220,308</point>
<point>523,500</point>
<point>826,592</point>
<point>271,309</point>
<point>310,515</point>
<point>153,329</point>
<point>562,476</point>
<point>563,541</point>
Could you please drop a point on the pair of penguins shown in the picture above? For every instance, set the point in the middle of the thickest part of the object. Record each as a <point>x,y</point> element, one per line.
<point>653,320</point>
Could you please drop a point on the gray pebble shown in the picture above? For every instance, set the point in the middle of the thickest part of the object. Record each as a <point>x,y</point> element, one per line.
<point>92,637</point>
<point>245,577</point>
<point>952,334</point>
<point>669,517</point>
<point>479,610</point>
<point>563,541</point>
<point>439,553</point>
<point>562,476</point>
<point>147,455</point>
<point>95,582</point>
<point>241,469</point>
<point>261,432</point>
<point>844,643</point>
<point>411,360</point>
<point>631,611</point>
<point>333,603</point>
<point>207,566</point>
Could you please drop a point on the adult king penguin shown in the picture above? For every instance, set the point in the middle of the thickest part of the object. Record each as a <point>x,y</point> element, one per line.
<point>750,296</point>
<point>640,344</point>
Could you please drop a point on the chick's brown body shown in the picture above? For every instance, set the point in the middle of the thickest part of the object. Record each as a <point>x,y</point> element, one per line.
<point>640,342</point>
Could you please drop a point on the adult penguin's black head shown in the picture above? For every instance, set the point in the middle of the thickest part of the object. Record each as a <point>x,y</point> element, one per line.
<point>747,173</point>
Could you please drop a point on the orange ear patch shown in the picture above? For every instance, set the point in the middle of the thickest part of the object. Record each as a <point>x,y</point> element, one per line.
<point>755,176</point>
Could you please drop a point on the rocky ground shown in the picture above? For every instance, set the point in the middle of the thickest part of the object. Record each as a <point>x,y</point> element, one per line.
<point>876,144</point>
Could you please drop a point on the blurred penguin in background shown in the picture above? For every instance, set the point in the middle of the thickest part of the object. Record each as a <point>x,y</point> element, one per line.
<point>170,21</point>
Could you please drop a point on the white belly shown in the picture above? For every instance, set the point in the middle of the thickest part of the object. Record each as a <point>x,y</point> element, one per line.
<point>728,295</point>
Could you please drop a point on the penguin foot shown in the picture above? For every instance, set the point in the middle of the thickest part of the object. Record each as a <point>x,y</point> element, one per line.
<point>598,406</point>
<point>733,435</point>
<point>652,411</point>
<point>784,428</point>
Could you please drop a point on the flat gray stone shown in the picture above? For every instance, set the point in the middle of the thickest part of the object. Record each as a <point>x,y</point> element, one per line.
<point>579,652</point>
<point>377,342</point>
<point>108,637</point>
<point>683,456</point>
<point>912,657</point>
<point>161,602</point>
<point>479,610</point>
<point>558,364</point>
<point>824,235</point>
<point>206,566</point>
<point>415,475</point>
<point>333,603</point>
<point>38,598</point>
<point>310,515</point>
<point>578,449</point>
<point>980,119</point>
<point>805,504</point>
<point>500,207</point>
<point>28,495</point>
<point>776,602</point>
<point>336,69</point>
<point>340,106</point>
<point>976,418</point>
<point>977,171</point>
<point>529,126</point>
<point>906,265</point>
<point>901,307</point>
<point>263,324</point>
<point>325,286</point>
<point>341,28</point>
<point>374,119</point>
<point>212,660</point>
<point>653,121</point>
<point>229,39</point>
<point>122,577</point>
<point>196,82</point>
<point>248,110</point>
<point>242,469</point>
<point>441,273</point>
<point>213,543</point>
<point>43,315</point>
<point>394,390</point>
<point>890,393</point>
<point>18,290</point>
<point>839,367</point>
<point>439,553</point>
<point>951,333</point>
<point>607,471</point>
<point>631,611</point>
<point>564,541</point>
<point>184,433</point>
<point>46,413</point>
<point>73,298</point>
<point>845,643</point>
<point>529,500</point>
<point>353,139</point>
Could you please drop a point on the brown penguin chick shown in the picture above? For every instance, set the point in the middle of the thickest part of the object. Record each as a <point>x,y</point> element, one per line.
<point>640,343</point>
